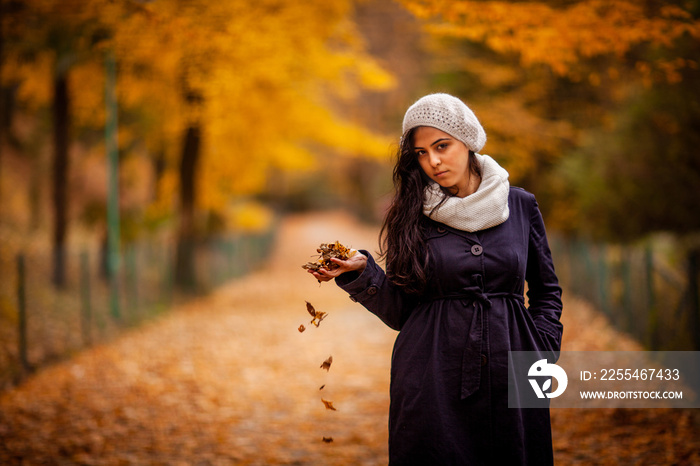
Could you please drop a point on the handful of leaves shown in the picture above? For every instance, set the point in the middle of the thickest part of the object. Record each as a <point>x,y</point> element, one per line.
<point>327,251</point>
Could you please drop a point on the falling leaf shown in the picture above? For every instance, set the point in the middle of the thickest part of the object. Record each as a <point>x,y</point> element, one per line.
<point>329,404</point>
<point>317,315</point>
<point>310,308</point>
<point>327,364</point>
<point>302,328</point>
<point>322,386</point>
<point>327,439</point>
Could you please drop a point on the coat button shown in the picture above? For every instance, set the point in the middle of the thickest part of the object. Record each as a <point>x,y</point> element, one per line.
<point>483,360</point>
<point>440,230</point>
<point>477,249</point>
<point>372,290</point>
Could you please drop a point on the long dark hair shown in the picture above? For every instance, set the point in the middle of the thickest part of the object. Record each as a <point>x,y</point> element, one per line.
<point>402,237</point>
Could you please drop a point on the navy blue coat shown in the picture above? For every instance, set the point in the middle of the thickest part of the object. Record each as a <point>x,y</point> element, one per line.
<point>449,374</point>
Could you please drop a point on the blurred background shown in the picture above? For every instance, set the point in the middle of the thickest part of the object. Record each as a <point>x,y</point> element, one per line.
<point>151,149</point>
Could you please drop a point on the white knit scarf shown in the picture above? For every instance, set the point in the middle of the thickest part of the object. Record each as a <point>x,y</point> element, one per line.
<point>485,208</point>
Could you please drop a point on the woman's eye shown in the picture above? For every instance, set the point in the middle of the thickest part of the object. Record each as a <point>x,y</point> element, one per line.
<point>442,146</point>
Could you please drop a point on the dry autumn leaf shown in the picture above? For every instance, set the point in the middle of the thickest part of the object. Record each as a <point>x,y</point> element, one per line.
<point>317,315</point>
<point>327,364</point>
<point>322,386</point>
<point>328,251</point>
<point>301,328</point>
<point>327,439</point>
<point>310,309</point>
<point>328,404</point>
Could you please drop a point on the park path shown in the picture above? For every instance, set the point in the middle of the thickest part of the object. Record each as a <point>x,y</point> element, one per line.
<point>228,379</point>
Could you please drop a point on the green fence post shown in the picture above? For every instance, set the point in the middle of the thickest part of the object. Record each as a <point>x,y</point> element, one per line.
<point>229,258</point>
<point>131,282</point>
<point>625,269</point>
<point>22,311</point>
<point>603,279</point>
<point>86,314</point>
<point>653,312</point>
<point>236,255</point>
<point>571,256</point>
<point>579,278</point>
<point>213,255</point>
<point>167,282</point>
<point>589,274</point>
<point>112,149</point>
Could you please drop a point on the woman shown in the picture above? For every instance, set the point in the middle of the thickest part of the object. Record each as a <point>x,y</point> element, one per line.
<point>459,244</point>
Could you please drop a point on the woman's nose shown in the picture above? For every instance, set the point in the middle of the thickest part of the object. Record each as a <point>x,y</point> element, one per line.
<point>434,160</point>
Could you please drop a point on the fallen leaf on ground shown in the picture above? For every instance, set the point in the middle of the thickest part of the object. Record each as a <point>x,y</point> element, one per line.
<point>55,416</point>
<point>302,328</point>
<point>328,439</point>
<point>329,404</point>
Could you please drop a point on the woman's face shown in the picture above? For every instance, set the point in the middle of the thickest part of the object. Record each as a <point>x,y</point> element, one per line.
<point>443,158</point>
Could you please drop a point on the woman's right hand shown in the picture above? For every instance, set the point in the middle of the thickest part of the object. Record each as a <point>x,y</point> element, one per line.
<point>356,263</point>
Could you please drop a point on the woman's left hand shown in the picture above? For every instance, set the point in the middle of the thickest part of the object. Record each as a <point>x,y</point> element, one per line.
<point>356,263</point>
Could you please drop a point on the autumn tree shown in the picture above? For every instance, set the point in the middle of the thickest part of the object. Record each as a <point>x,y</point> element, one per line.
<point>47,40</point>
<point>253,93</point>
<point>218,95</point>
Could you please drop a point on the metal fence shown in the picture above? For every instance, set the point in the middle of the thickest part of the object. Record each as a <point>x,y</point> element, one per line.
<point>40,323</point>
<point>640,290</point>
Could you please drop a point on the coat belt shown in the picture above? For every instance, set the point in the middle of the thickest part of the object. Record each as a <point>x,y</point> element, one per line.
<point>472,356</point>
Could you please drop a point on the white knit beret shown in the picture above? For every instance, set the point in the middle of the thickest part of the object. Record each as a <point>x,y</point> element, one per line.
<point>449,114</point>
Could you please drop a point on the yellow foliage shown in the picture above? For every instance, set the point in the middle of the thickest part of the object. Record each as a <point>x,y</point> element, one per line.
<point>167,193</point>
<point>264,86</point>
<point>34,87</point>
<point>558,37</point>
<point>520,139</point>
<point>372,76</point>
<point>292,157</point>
<point>257,78</point>
<point>249,216</point>
<point>87,86</point>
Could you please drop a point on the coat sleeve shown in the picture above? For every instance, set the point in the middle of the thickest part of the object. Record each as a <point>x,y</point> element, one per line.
<point>375,292</point>
<point>544,292</point>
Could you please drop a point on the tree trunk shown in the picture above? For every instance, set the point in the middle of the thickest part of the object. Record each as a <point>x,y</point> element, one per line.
<point>3,119</point>
<point>60,176</point>
<point>159,167</point>
<point>694,296</point>
<point>184,265</point>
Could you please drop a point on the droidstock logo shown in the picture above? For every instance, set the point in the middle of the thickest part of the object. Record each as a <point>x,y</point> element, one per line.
<point>543,369</point>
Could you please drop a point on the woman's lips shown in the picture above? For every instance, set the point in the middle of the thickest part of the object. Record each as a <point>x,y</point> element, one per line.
<point>439,174</point>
